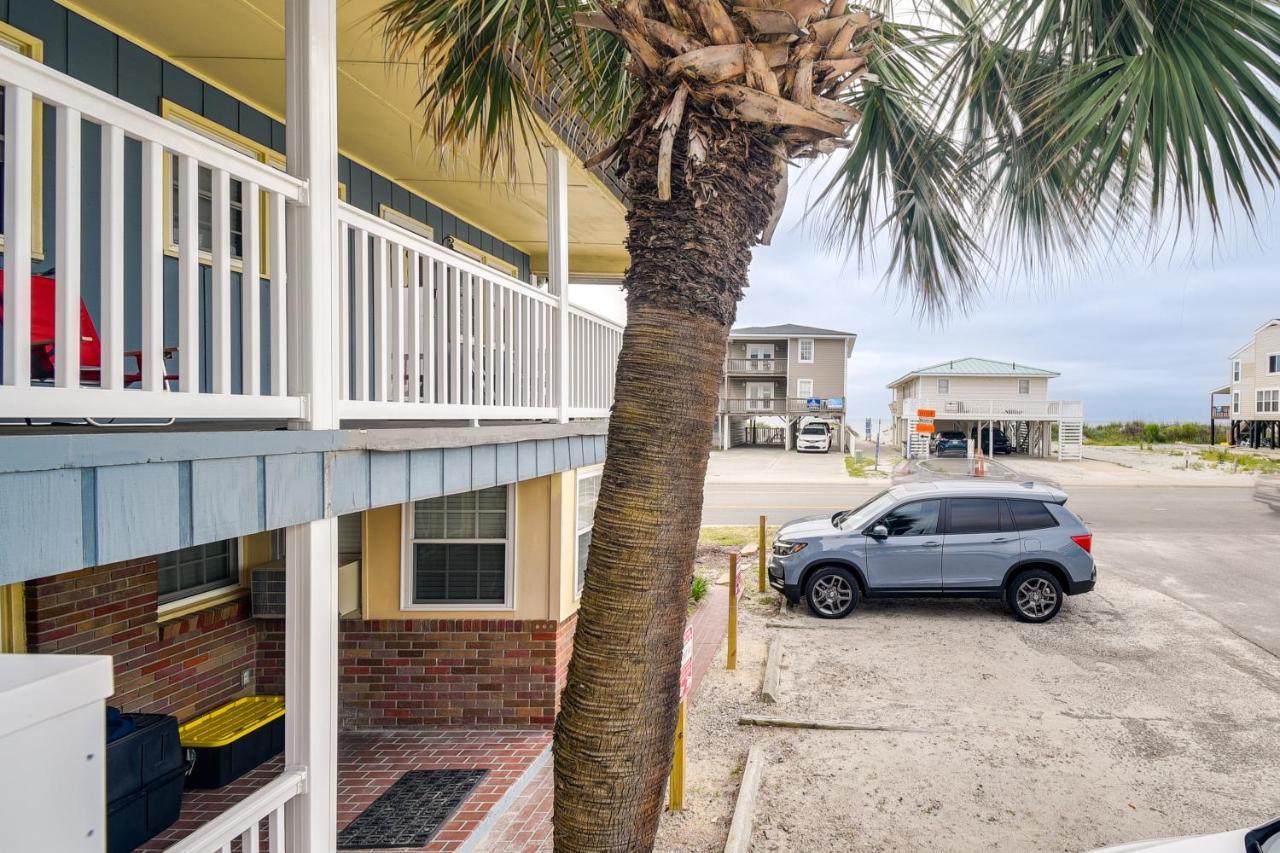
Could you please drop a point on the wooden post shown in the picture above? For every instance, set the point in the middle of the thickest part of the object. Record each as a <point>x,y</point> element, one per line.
<point>732,661</point>
<point>763,579</point>
<point>675,788</point>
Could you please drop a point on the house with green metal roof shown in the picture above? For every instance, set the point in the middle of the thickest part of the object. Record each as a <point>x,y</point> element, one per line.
<point>984,398</point>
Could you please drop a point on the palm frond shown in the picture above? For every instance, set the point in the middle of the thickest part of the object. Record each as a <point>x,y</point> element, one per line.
<point>489,67</point>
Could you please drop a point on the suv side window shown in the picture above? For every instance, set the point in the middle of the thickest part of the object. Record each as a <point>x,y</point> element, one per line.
<point>1031,515</point>
<point>918,518</point>
<point>973,515</point>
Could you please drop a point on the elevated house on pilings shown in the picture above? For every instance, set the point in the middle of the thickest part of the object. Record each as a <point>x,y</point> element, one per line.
<point>289,407</point>
<point>1250,402</point>
<point>977,396</point>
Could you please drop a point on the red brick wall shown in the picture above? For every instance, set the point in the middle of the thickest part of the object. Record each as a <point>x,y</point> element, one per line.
<point>183,667</point>
<point>564,651</point>
<point>456,672</point>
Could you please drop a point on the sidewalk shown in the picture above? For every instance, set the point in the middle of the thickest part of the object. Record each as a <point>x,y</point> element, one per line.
<point>525,826</point>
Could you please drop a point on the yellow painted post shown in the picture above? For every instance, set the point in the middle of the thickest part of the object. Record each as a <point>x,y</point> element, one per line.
<point>675,790</point>
<point>732,661</point>
<point>763,579</point>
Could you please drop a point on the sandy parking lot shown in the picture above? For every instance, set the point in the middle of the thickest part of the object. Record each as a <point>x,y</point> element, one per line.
<point>1130,716</point>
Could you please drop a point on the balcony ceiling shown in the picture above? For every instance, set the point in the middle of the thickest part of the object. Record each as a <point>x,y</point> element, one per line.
<point>239,46</point>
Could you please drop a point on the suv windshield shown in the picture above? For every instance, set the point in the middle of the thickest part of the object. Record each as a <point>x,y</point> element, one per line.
<point>950,435</point>
<point>853,519</point>
<point>814,430</point>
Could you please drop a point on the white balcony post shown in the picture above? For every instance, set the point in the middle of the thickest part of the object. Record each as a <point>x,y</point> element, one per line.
<point>558,269</point>
<point>311,611</point>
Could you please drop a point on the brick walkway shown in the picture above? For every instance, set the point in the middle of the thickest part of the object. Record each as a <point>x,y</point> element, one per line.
<point>525,826</point>
<point>368,764</point>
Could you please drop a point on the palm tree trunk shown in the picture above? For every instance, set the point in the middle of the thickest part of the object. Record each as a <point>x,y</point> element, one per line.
<point>614,737</point>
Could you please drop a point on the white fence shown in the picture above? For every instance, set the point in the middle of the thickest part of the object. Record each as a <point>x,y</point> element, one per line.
<point>263,810</point>
<point>426,332</point>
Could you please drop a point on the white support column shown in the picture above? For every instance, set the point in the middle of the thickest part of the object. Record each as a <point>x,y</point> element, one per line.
<point>558,270</point>
<point>311,594</point>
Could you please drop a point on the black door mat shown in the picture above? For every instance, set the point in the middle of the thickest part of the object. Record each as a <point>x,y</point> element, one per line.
<point>411,811</point>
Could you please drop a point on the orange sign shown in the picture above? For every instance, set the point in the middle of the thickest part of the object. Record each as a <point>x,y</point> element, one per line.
<point>925,413</point>
<point>924,427</point>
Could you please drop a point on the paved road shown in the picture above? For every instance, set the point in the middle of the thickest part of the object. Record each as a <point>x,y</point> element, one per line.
<point>1213,548</point>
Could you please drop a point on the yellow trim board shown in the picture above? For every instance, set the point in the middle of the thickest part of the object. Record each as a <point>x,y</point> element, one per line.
<point>33,48</point>
<point>13,619</point>
<point>483,257</point>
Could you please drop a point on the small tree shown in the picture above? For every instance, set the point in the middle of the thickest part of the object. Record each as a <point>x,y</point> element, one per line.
<point>968,132</point>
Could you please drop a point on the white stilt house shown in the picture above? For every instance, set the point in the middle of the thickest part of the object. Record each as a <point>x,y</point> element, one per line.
<point>980,397</point>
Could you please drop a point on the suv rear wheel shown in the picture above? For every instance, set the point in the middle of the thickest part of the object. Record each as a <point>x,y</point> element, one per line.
<point>832,592</point>
<point>1034,596</point>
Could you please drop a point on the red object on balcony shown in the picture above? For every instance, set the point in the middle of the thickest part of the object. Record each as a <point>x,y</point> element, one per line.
<point>44,314</point>
<point>1085,541</point>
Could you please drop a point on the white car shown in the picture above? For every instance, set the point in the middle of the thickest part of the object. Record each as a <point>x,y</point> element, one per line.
<point>814,437</point>
<point>1264,839</point>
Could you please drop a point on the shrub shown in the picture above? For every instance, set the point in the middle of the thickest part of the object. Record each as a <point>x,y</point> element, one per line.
<point>698,590</point>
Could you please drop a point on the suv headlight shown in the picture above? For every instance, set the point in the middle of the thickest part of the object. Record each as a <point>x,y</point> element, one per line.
<point>786,549</point>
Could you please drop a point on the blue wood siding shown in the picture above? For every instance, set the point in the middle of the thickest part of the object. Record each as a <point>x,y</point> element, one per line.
<point>132,500</point>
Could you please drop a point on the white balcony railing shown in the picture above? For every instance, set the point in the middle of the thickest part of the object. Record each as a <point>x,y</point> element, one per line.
<point>245,820</point>
<point>71,367</point>
<point>181,331</point>
<point>1011,408</point>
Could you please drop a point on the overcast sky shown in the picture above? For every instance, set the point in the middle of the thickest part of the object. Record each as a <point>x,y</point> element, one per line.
<point>1132,337</point>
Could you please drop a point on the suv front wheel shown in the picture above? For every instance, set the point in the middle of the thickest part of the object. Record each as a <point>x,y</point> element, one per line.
<point>1034,596</point>
<point>832,592</point>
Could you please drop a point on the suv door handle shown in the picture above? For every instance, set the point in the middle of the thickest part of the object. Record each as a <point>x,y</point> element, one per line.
<point>931,544</point>
<point>1003,539</point>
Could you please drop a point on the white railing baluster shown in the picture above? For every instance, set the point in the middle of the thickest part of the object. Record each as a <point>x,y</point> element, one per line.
<point>429,360</point>
<point>152,266</point>
<point>380,296</point>
<point>360,314</point>
<point>220,292</point>
<point>443,368</point>
<point>279,299</point>
<point>188,274</point>
<point>468,338</point>
<point>399,368</point>
<point>344,312</point>
<point>18,106</point>
<point>455,337</point>
<point>275,831</point>
<point>66,346</point>
<point>112,258</point>
<point>490,345</point>
<point>413,322</point>
<point>250,304</point>
<point>249,840</point>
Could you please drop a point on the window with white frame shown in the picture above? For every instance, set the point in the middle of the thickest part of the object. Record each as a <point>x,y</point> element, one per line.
<point>1024,386</point>
<point>1235,370</point>
<point>1269,401</point>
<point>1235,402</point>
<point>944,386</point>
<point>196,570</point>
<point>804,388</point>
<point>459,550</point>
<point>805,346</point>
<point>588,497</point>
<point>1273,363</point>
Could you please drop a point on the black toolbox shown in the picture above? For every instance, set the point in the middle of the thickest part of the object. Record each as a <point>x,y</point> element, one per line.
<point>145,771</point>
<point>144,814</point>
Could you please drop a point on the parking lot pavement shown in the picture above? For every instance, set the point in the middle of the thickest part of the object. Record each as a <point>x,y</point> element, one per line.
<point>1130,716</point>
<point>775,465</point>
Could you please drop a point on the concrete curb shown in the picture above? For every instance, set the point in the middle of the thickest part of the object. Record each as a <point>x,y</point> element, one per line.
<point>507,800</point>
<point>770,689</point>
<point>739,840</point>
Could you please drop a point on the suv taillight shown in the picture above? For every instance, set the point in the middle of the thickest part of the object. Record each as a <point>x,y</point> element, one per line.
<point>1085,541</point>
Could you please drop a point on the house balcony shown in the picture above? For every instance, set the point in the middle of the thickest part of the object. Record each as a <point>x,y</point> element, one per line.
<point>1004,408</point>
<point>158,319</point>
<point>790,406</point>
<point>756,366</point>
<point>1220,413</point>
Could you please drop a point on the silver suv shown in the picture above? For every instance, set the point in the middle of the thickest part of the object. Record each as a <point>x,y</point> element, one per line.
<point>961,538</point>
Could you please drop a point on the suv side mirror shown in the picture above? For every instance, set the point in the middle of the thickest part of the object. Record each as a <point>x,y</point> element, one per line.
<point>879,532</point>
